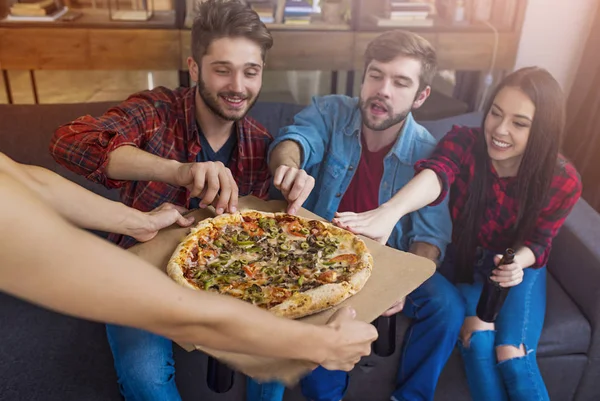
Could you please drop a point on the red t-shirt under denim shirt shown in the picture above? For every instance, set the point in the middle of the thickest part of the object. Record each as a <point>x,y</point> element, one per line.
<point>363,192</point>
<point>454,163</point>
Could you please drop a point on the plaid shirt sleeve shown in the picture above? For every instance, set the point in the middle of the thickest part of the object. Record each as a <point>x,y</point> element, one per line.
<point>565,191</point>
<point>449,157</point>
<point>83,145</point>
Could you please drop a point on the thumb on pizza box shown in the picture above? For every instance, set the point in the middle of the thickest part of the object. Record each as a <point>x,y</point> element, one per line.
<point>345,313</point>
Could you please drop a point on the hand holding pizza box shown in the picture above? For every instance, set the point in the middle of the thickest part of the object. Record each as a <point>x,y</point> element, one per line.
<point>394,274</point>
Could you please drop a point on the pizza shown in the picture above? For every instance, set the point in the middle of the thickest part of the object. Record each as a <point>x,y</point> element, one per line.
<point>288,265</point>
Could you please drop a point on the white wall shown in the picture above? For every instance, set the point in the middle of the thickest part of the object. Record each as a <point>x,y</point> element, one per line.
<point>554,36</point>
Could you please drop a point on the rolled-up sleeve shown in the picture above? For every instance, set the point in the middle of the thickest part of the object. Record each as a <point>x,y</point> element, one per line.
<point>84,144</point>
<point>432,225</point>
<point>448,158</point>
<point>311,130</point>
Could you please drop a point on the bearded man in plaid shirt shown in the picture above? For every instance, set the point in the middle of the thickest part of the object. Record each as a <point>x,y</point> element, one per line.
<point>190,147</point>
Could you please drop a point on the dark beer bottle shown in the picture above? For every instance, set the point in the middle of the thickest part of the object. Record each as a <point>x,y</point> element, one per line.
<point>385,345</point>
<point>218,376</point>
<point>493,296</point>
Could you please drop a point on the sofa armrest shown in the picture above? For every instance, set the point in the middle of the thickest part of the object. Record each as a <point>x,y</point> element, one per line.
<point>575,263</point>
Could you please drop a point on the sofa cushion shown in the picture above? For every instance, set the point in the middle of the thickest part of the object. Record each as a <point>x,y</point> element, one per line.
<point>26,130</point>
<point>566,331</point>
<point>47,356</point>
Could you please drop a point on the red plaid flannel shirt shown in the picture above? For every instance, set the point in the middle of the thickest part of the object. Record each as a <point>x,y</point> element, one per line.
<point>161,122</point>
<point>454,163</point>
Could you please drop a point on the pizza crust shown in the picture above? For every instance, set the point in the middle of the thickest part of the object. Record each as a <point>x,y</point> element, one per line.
<point>174,269</point>
<point>313,301</point>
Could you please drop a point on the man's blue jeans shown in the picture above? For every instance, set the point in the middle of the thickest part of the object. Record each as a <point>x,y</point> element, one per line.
<point>438,312</point>
<point>144,364</point>
<point>519,322</point>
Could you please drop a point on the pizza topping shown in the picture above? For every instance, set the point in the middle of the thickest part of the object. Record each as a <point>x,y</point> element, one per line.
<point>348,258</point>
<point>328,277</point>
<point>264,260</point>
<point>253,229</point>
<point>194,254</point>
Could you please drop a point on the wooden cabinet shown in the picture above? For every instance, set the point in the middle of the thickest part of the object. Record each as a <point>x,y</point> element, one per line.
<point>88,49</point>
<point>362,40</point>
<point>466,51</point>
<point>163,43</point>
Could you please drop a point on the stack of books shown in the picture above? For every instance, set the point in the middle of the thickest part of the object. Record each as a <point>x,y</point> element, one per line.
<point>265,10</point>
<point>405,13</point>
<point>36,10</point>
<point>297,12</point>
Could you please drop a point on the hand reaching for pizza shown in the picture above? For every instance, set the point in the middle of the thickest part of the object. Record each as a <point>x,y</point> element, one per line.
<point>145,226</point>
<point>353,340</point>
<point>210,181</point>
<point>295,186</point>
<point>376,224</point>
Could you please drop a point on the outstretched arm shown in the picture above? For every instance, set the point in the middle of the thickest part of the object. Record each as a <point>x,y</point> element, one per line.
<point>85,209</point>
<point>47,261</point>
<point>378,223</point>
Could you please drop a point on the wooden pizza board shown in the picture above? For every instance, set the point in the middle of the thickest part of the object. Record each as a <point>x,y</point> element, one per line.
<point>395,274</point>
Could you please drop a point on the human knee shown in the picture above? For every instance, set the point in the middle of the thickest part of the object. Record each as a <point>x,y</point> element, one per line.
<point>447,303</point>
<point>506,352</point>
<point>153,365</point>
<point>324,385</point>
<point>471,325</point>
<point>141,371</point>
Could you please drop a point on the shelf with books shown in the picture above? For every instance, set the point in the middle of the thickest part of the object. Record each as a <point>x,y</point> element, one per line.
<point>99,18</point>
<point>440,15</point>
<point>313,26</point>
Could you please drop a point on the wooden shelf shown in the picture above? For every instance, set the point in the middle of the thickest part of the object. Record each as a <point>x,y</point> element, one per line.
<point>95,42</point>
<point>313,26</point>
<point>98,18</point>
<point>439,25</point>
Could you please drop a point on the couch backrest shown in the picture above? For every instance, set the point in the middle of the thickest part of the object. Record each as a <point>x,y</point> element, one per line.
<point>25,131</point>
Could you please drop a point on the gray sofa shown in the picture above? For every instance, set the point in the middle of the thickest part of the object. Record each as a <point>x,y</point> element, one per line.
<point>46,356</point>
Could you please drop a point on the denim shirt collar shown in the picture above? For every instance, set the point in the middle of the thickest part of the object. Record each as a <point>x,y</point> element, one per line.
<point>402,149</point>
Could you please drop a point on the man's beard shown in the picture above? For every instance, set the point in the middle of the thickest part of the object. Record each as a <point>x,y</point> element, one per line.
<point>385,124</point>
<point>212,102</point>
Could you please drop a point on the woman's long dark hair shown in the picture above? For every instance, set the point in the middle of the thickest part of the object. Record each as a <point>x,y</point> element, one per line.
<point>535,171</point>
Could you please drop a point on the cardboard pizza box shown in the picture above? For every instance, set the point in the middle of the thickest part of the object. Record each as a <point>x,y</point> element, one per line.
<point>395,274</point>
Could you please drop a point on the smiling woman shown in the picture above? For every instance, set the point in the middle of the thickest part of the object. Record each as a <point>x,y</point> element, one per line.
<point>507,128</point>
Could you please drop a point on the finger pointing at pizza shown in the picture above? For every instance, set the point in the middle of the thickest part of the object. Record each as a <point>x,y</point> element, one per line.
<point>147,225</point>
<point>212,182</point>
<point>295,186</point>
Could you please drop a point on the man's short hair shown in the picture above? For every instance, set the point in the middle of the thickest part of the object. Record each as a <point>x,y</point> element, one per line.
<point>216,19</point>
<point>391,44</point>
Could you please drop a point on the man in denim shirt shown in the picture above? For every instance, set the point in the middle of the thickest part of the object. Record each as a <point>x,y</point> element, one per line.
<point>357,153</point>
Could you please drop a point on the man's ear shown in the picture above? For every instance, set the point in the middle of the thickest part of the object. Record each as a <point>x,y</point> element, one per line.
<point>421,97</point>
<point>194,69</point>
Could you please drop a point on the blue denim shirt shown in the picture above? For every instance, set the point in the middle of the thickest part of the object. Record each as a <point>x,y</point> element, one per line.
<point>328,132</point>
